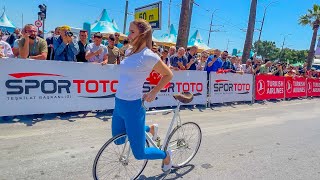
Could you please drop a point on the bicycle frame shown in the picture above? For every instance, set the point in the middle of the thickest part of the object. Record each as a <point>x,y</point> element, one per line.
<point>175,118</point>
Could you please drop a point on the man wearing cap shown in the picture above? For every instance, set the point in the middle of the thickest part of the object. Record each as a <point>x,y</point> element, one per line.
<point>31,46</point>
<point>97,52</point>
<point>65,48</point>
<point>113,51</point>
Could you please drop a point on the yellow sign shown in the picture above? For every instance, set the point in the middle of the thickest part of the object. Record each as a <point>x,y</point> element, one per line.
<point>150,13</point>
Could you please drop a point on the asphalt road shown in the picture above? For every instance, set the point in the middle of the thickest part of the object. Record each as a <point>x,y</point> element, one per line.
<point>261,141</point>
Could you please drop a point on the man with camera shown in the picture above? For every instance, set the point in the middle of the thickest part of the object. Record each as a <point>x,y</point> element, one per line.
<point>65,47</point>
<point>192,58</point>
<point>31,46</point>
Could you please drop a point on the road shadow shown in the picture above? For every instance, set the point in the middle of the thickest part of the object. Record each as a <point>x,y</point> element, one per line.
<point>30,120</point>
<point>174,174</point>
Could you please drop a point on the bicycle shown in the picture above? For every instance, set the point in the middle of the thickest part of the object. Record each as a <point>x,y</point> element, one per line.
<point>178,140</point>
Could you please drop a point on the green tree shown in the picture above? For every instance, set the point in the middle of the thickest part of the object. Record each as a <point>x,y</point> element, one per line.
<point>266,49</point>
<point>312,18</point>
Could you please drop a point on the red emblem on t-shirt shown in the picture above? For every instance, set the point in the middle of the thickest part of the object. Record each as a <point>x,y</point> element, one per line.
<point>154,79</point>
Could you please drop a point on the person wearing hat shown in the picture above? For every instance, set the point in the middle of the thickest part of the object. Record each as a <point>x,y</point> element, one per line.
<point>65,48</point>
<point>5,48</point>
<point>97,52</point>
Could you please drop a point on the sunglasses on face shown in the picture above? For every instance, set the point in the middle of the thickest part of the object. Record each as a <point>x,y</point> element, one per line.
<point>97,37</point>
<point>30,31</point>
<point>116,35</point>
<point>111,39</point>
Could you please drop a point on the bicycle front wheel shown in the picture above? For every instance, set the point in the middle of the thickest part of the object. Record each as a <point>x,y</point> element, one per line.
<point>184,142</point>
<point>116,161</point>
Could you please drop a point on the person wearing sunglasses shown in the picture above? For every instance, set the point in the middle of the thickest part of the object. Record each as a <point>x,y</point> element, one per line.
<point>203,61</point>
<point>113,51</point>
<point>31,46</point>
<point>97,52</point>
<point>117,42</point>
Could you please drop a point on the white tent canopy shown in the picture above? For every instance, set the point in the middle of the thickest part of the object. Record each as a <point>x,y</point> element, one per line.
<point>6,24</point>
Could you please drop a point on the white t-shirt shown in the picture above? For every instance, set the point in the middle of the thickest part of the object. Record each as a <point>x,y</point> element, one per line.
<point>5,49</point>
<point>134,70</point>
<point>93,48</point>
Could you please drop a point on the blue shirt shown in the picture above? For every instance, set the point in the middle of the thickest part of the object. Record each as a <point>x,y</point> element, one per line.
<point>226,64</point>
<point>215,66</point>
<point>175,59</point>
<point>63,52</point>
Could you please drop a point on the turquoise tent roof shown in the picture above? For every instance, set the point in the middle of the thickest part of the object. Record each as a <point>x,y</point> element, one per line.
<point>171,37</point>
<point>104,24</point>
<point>196,40</point>
<point>115,24</point>
<point>251,54</point>
<point>5,23</point>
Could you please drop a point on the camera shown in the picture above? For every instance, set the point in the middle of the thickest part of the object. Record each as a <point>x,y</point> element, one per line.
<point>69,33</point>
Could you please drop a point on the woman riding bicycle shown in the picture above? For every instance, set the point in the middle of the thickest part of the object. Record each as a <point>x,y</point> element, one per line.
<point>129,115</point>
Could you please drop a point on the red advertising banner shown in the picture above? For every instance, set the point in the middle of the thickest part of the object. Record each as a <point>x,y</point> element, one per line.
<point>296,87</point>
<point>313,86</point>
<point>269,87</point>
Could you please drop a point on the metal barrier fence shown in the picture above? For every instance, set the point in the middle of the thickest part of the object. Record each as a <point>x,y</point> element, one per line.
<point>39,87</point>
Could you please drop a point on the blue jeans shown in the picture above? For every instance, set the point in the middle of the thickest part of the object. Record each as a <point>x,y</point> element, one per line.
<point>129,117</point>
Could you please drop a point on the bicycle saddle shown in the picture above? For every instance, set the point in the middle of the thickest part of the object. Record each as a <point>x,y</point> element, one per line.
<point>184,97</point>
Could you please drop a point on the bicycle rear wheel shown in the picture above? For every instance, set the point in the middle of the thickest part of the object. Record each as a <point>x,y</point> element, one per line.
<point>117,161</point>
<point>184,142</point>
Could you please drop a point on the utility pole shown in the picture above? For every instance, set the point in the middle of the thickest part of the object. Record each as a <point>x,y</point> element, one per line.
<point>211,25</point>
<point>182,39</point>
<point>283,43</point>
<point>228,44</point>
<point>22,21</point>
<point>210,30</point>
<point>169,16</point>
<point>262,23</point>
<point>125,17</point>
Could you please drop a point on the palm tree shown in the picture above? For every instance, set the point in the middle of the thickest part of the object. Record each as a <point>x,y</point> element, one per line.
<point>252,20</point>
<point>312,18</point>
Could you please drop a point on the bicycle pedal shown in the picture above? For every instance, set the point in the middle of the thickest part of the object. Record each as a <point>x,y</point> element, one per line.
<point>158,140</point>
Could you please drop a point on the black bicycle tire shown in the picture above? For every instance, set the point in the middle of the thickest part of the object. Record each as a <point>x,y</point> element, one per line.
<point>172,133</point>
<point>102,149</point>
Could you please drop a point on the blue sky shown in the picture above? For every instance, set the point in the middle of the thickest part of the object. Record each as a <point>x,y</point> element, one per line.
<point>282,17</point>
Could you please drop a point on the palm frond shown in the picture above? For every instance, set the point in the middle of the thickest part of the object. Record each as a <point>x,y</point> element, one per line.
<point>305,20</point>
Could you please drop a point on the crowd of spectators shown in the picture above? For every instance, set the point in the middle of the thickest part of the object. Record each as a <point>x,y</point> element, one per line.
<point>62,45</point>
